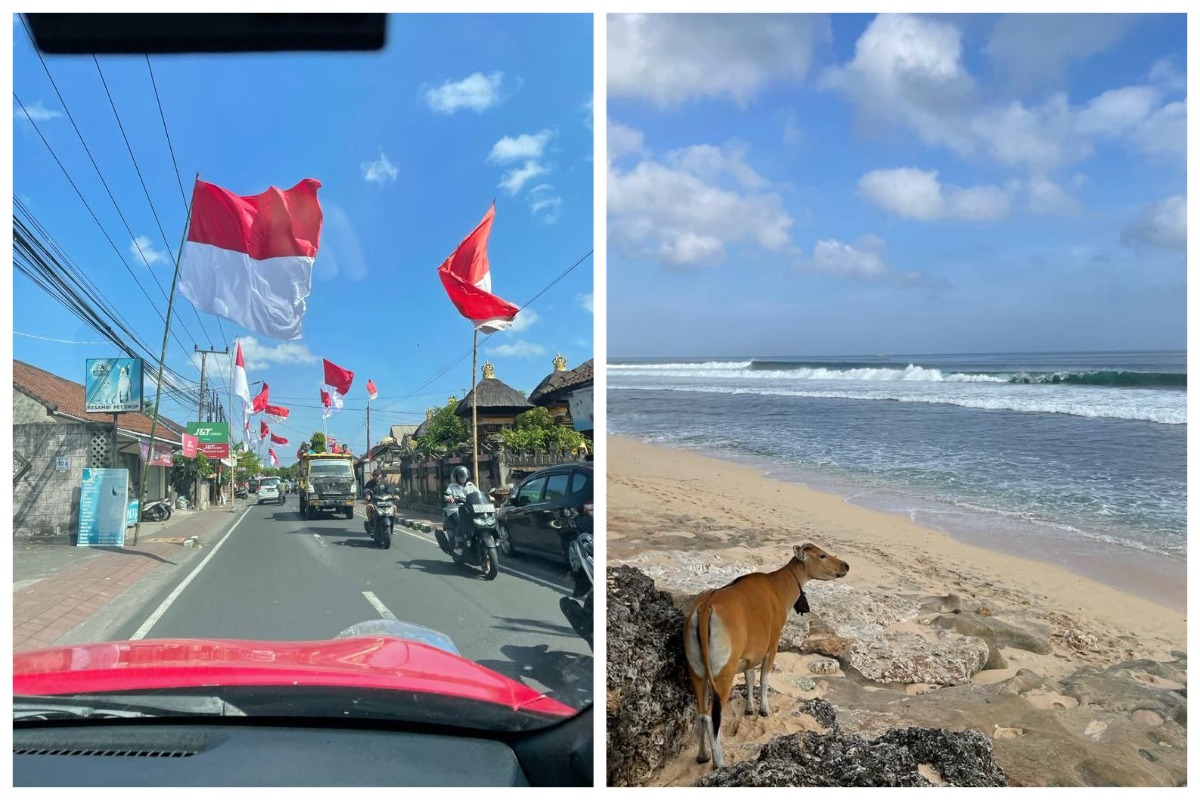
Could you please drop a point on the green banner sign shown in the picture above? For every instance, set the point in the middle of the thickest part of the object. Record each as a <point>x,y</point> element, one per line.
<point>213,438</point>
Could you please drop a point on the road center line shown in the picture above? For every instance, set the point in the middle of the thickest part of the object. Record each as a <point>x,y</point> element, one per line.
<point>379,606</point>
<point>166,604</point>
<point>503,567</point>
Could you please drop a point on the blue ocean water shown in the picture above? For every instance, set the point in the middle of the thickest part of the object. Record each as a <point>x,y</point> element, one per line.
<point>1085,448</point>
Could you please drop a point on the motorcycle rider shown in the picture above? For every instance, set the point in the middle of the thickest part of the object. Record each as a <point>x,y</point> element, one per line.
<point>460,486</point>
<point>374,486</point>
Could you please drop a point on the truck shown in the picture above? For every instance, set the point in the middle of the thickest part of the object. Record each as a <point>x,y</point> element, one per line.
<point>327,484</point>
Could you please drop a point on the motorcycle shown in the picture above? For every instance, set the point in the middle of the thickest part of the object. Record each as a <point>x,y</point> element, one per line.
<point>385,520</point>
<point>478,534</point>
<point>157,511</point>
<point>579,546</point>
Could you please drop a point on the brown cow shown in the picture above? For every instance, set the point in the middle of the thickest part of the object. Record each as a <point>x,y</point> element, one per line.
<point>736,628</point>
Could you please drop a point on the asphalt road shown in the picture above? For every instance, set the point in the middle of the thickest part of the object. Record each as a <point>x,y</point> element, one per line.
<point>277,576</point>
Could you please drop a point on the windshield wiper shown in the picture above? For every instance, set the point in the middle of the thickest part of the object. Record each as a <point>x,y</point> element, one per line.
<point>45,709</point>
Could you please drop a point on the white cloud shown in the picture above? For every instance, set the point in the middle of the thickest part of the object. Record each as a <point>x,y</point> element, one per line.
<point>670,214</point>
<point>525,318</point>
<point>1047,197</point>
<point>622,141</point>
<point>1166,75</point>
<point>341,250</point>
<point>258,356</point>
<point>521,349</point>
<point>1032,50</point>
<point>909,70</point>
<point>1163,225</point>
<point>668,59</point>
<point>586,300</point>
<point>37,112</point>
<point>143,250</point>
<point>527,146</point>
<point>514,179</point>
<point>544,204</point>
<point>381,171</point>
<point>917,194</point>
<point>709,163</point>
<point>861,260</point>
<point>477,93</point>
<point>793,134</point>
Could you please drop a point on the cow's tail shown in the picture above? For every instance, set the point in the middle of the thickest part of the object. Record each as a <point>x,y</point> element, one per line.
<point>703,622</point>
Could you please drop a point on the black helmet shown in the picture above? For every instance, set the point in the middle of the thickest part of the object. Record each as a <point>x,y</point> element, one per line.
<point>376,473</point>
<point>461,474</point>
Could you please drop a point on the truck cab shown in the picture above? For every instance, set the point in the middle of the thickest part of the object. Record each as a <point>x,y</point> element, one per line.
<point>327,484</point>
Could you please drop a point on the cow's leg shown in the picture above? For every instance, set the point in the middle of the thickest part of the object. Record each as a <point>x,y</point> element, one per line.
<point>700,690</point>
<point>724,688</point>
<point>764,690</point>
<point>748,675</point>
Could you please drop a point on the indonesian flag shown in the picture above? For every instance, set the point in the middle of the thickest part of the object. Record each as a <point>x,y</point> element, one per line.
<point>263,431</point>
<point>337,378</point>
<point>468,280</point>
<point>240,387</point>
<point>327,402</point>
<point>260,402</point>
<point>278,439</point>
<point>274,458</point>
<point>276,413</point>
<point>371,390</point>
<point>250,259</point>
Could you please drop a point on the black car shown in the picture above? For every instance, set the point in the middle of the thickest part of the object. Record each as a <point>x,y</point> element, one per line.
<point>525,517</point>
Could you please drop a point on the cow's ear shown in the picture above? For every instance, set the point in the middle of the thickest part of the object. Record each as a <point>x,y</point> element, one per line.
<point>798,552</point>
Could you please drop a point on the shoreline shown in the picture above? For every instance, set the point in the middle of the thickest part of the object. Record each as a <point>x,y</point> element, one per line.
<point>666,499</point>
<point>1145,575</point>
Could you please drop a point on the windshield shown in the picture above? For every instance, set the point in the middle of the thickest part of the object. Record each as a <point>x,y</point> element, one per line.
<point>194,238</point>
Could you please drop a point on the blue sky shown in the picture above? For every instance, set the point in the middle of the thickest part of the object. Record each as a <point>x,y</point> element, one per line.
<point>410,147</point>
<point>815,185</point>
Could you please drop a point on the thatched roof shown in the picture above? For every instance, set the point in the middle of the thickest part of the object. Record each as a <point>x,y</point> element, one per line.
<point>493,396</point>
<point>555,386</point>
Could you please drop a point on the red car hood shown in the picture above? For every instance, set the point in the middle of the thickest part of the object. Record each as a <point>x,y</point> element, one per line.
<point>365,662</point>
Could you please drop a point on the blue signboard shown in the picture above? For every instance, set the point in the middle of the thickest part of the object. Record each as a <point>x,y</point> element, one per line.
<point>114,385</point>
<point>103,505</point>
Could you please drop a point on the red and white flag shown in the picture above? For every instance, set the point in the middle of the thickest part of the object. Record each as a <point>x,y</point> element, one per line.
<point>260,402</point>
<point>274,458</point>
<point>371,390</point>
<point>278,439</point>
<point>240,387</point>
<point>263,431</point>
<point>250,259</point>
<point>327,402</point>
<point>467,277</point>
<point>337,378</point>
<point>276,413</point>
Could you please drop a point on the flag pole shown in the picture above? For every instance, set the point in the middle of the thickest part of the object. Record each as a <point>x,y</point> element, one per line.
<point>474,409</point>
<point>137,528</point>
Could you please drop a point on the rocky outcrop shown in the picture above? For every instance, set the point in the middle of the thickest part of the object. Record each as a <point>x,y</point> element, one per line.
<point>947,659</point>
<point>901,757</point>
<point>649,703</point>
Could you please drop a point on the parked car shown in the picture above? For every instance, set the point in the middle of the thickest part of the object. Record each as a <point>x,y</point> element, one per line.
<point>530,520</point>
<point>268,490</point>
<point>254,486</point>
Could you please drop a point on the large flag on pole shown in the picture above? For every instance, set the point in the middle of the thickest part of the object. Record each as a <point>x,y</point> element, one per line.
<point>250,259</point>
<point>240,387</point>
<point>338,380</point>
<point>327,402</point>
<point>276,413</point>
<point>260,402</point>
<point>371,391</point>
<point>467,277</point>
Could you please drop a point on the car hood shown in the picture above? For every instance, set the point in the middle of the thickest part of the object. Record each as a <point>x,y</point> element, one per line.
<point>365,662</point>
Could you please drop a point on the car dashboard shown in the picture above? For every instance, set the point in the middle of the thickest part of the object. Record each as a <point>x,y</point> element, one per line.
<point>271,753</point>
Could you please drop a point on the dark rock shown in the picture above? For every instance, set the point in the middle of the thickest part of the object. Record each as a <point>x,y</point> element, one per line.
<point>821,711</point>
<point>1116,690</point>
<point>894,759</point>
<point>650,710</point>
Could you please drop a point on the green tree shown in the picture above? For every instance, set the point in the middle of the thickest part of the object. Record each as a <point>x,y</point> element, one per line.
<point>186,471</point>
<point>318,442</point>
<point>536,430</point>
<point>444,431</point>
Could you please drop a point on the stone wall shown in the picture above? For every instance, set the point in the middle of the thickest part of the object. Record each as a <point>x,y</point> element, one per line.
<point>27,410</point>
<point>46,500</point>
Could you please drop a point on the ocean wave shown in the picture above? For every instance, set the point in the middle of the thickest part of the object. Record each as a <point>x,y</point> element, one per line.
<point>1113,406</point>
<point>682,366</point>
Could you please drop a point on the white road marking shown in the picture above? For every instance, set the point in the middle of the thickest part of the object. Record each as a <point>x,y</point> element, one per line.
<point>379,606</point>
<point>320,541</point>
<point>503,567</point>
<point>166,604</point>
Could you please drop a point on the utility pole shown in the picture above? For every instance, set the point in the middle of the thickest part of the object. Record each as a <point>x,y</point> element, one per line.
<point>200,417</point>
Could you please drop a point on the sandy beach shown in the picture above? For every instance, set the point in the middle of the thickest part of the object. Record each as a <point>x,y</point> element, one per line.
<point>692,522</point>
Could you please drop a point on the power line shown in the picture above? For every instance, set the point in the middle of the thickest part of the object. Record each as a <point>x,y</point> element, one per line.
<point>112,103</point>
<point>163,117</point>
<point>59,341</point>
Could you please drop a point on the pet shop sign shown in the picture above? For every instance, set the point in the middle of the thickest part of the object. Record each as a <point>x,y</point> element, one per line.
<point>113,385</point>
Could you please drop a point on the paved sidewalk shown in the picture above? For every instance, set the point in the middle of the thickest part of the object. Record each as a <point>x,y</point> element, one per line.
<point>57,587</point>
